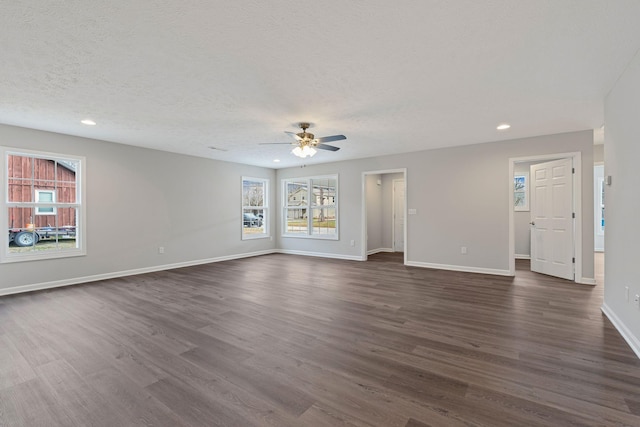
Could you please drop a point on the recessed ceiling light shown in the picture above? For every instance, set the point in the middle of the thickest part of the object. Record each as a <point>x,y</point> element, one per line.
<point>276,160</point>
<point>88,122</point>
<point>503,126</point>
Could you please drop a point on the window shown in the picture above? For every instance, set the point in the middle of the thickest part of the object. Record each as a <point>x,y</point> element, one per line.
<point>521,191</point>
<point>255,212</point>
<point>43,205</point>
<point>310,207</point>
<point>45,196</point>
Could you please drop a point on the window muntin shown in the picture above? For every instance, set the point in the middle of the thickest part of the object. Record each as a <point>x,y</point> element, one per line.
<point>255,219</point>
<point>310,207</point>
<point>41,198</point>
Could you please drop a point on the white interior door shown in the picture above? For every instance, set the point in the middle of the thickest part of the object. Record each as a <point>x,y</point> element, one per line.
<point>398,215</point>
<point>552,218</point>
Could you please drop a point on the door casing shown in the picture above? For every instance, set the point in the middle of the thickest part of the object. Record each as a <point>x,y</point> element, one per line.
<point>577,206</point>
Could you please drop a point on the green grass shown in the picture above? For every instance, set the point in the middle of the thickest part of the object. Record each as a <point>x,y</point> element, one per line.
<point>45,245</point>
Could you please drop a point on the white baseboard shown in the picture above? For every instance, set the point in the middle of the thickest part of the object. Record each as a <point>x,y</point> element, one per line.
<point>586,281</point>
<point>96,277</point>
<point>523,256</point>
<point>319,254</point>
<point>463,268</point>
<point>628,336</point>
<point>377,251</point>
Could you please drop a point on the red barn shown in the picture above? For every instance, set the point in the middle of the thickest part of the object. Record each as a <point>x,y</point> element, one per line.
<point>41,180</point>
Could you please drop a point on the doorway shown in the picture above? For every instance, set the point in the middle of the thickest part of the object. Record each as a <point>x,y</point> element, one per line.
<point>552,213</point>
<point>398,215</point>
<point>384,213</point>
<point>575,203</point>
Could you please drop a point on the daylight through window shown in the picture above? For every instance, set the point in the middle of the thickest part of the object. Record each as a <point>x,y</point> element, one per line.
<point>310,207</point>
<point>43,206</point>
<point>254,208</point>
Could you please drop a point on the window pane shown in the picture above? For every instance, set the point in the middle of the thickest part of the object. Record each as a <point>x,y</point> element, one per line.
<point>324,191</point>
<point>21,230</point>
<point>48,233</point>
<point>20,217</point>
<point>20,178</point>
<point>44,196</point>
<point>324,221</point>
<point>66,231</point>
<point>66,192</point>
<point>297,221</point>
<point>297,193</point>
<point>67,170</point>
<point>20,167</point>
<point>253,193</point>
<point>20,190</point>
<point>253,221</point>
<point>66,181</point>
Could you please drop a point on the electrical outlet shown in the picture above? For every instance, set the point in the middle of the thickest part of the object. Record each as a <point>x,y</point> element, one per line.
<point>463,250</point>
<point>160,249</point>
<point>353,243</point>
<point>637,300</point>
<point>626,293</point>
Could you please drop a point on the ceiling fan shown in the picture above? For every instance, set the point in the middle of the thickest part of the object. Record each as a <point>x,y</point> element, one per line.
<point>306,143</point>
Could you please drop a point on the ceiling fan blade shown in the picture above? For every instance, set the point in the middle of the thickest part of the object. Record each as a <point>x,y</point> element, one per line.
<point>277,143</point>
<point>327,147</point>
<point>331,138</point>
<point>293,135</point>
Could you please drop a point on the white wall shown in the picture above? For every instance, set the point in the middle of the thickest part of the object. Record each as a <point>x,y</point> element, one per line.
<point>598,154</point>
<point>374,212</point>
<point>139,199</point>
<point>387,208</point>
<point>622,199</point>
<point>462,199</point>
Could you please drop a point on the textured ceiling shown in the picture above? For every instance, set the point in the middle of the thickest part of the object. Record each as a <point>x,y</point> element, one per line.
<point>392,76</point>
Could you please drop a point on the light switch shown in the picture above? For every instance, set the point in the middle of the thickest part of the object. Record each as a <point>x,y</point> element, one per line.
<point>413,211</point>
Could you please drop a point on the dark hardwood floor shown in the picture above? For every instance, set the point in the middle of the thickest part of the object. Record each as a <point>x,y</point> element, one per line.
<point>285,340</point>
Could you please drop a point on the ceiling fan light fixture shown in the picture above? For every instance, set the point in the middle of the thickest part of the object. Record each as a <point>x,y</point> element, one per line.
<point>304,151</point>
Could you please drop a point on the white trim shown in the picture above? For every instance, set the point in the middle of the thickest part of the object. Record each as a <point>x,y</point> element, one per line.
<point>523,256</point>
<point>463,268</point>
<point>96,277</point>
<point>378,250</point>
<point>576,160</point>
<point>363,217</point>
<point>80,205</point>
<point>586,281</point>
<point>320,254</point>
<point>632,340</point>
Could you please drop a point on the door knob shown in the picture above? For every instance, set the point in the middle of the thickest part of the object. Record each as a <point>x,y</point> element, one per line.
<point>532,223</point>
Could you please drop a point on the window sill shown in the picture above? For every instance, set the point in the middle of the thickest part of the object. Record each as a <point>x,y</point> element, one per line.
<point>315,237</point>
<point>23,257</point>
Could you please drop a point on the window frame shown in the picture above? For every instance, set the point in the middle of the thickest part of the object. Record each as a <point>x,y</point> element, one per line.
<point>79,205</point>
<point>309,207</point>
<point>264,208</point>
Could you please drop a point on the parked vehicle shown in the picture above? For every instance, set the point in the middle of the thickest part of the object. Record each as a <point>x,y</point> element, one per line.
<point>30,236</point>
<point>251,220</point>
